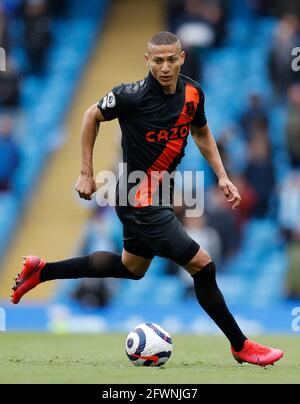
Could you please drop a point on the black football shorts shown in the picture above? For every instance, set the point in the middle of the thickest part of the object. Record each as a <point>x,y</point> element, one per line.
<point>148,232</point>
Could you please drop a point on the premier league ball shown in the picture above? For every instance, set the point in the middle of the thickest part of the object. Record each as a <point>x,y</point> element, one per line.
<point>148,345</point>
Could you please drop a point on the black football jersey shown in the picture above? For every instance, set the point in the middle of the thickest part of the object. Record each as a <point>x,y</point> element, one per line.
<point>154,126</point>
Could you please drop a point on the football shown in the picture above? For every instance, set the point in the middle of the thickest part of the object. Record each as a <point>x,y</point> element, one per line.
<point>148,345</point>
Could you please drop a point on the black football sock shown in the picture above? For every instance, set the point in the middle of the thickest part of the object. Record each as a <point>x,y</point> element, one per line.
<point>100,264</point>
<point>212,301</point>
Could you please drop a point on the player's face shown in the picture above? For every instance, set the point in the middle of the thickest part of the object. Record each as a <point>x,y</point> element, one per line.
<point>164,62</point>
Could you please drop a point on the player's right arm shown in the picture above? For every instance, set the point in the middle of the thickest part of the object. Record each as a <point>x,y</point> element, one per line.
<point>85,185</point>
<point>117,103</point>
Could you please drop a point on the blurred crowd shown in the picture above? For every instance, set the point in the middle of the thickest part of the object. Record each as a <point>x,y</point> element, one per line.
<point>26,36</point>
<point>200,25</point>
<point>286,85</point>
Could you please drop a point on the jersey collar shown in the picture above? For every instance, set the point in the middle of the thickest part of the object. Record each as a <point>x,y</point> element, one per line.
<point>156,88</point>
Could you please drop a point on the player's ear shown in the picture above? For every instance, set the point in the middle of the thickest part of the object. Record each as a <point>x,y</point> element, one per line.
<point>147,59</point>
<point>182,57</point>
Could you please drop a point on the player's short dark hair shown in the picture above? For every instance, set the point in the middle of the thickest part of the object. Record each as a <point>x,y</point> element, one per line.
<point>164,38</point>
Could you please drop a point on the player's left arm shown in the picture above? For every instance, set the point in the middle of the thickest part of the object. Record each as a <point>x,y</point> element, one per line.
<point>208,148</point>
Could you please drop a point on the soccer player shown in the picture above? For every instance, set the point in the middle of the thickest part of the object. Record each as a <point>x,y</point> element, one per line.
<point>156,115</point>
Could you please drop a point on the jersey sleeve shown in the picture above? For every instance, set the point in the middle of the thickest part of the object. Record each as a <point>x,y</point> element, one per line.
<point>116,103</point>
<point>200,117</point>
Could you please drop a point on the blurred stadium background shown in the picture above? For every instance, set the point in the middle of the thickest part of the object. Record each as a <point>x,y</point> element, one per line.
<point>63,56</point>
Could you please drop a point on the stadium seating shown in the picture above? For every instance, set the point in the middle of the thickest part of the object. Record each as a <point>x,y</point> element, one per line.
<point>40,134</point>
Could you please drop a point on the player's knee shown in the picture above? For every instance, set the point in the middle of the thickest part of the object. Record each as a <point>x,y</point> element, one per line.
<point>129,273</point>
<point>198,262</point>
<point>137,273</point>
<point>138,266</point>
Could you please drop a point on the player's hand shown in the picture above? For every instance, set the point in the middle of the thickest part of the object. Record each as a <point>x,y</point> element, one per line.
<point>85,186</point>
<point>230,191</point>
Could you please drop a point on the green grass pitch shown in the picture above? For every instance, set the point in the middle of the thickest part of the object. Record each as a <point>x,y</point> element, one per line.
<point>99,359</point>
